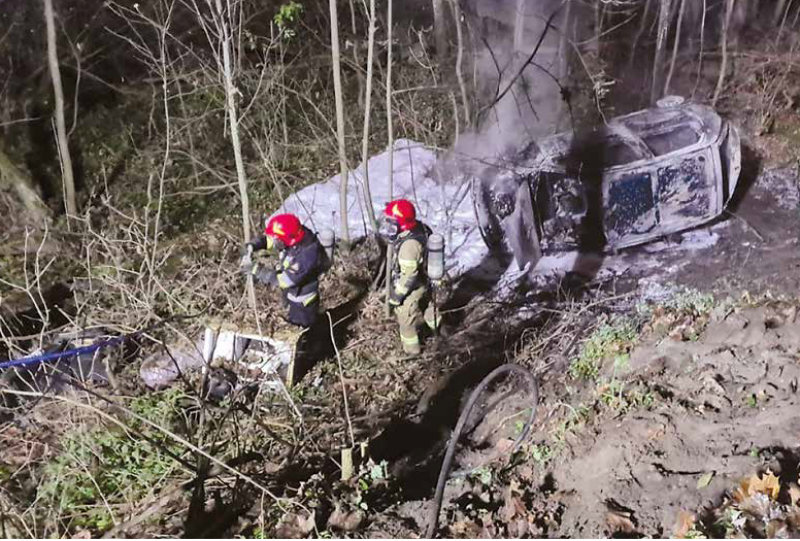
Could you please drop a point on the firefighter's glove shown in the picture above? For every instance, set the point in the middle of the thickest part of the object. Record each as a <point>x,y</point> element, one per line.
<point>265,275</point>
<point>246,265</point>
<point>395,299</point>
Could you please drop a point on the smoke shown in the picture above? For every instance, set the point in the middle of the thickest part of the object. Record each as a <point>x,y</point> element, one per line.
<point>526,98</point>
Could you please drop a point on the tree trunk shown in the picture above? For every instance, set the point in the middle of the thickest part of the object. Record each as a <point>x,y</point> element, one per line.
<point>337,90</point>
<point>724,65</point>
<point>16,180</point>
<point>390,134</point>
<point>440,30</point>
<point>367,106</point>
<point>233,116</point>
<point>61,127</point>
<point>661,38</point>
<point>639,32</point>
<point>675,46</point>
<point>519,24</point>
<point>700,54</point>
<point>459,61</point>
<point>780,10</point>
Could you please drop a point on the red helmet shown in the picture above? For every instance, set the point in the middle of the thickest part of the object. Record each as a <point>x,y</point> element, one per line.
<point>402,210</point>
<point>286,228</point>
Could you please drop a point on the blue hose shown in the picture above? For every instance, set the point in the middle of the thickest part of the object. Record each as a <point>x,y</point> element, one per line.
<point>49,357</point>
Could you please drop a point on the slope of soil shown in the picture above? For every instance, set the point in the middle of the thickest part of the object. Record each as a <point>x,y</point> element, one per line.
<point>666,434</point>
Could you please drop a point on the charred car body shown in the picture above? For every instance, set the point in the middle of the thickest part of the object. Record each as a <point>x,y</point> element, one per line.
<point>640,177</point>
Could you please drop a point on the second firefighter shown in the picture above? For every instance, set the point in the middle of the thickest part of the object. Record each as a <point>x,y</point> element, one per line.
<point>409,292</point>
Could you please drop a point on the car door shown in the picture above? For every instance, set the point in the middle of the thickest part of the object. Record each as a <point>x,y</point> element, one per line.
<point>629,207</point>
<point>686,191</point>
<point>629,210</point>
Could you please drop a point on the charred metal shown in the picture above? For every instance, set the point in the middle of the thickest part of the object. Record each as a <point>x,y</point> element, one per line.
<point>638,178</point>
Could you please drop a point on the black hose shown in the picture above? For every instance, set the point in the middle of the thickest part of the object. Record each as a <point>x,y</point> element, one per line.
<point>433,520</point>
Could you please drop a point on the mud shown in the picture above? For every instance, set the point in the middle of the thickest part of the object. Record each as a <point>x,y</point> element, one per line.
<point>726,397</point>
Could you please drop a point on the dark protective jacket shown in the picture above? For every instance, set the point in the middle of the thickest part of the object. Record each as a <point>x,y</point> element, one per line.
<point>409,272</point>
<point>300,268</point>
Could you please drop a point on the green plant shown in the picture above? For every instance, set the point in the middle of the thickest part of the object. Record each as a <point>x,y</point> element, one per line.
<point>101,466</point>
<point>616,338</point>
<point>378,472</point>
<point>577,417</point>
<point>691,301</point>
<point>287,14</point>
<point>694,533</point>
<point>541,453</point>
<point>483,475</point>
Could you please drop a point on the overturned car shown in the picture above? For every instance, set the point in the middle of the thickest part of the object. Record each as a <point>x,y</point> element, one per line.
<point>639,177</point>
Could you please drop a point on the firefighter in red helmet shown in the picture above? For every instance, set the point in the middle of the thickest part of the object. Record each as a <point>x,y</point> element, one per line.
<point>409,288</point>
<point>302,260</point>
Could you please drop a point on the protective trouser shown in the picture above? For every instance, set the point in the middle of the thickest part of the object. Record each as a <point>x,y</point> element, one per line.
<point>410,315</point>
<point>303,313</point>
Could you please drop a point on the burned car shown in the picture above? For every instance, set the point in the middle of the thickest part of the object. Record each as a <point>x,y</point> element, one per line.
<point>638,178</point>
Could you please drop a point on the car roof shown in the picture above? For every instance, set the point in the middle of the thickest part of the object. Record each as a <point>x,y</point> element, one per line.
<point>640,129</point>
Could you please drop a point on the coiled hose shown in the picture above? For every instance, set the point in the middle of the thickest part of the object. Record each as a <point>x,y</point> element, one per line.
<point>433,520</point>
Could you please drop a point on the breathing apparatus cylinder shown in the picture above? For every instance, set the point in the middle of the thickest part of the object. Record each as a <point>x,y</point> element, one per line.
<point>327,239</point>
<point>435,257</point>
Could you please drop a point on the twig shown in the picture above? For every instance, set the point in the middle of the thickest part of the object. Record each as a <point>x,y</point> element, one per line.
<point>341,378</point>
<point>511,83</point>
<point>746,223</point>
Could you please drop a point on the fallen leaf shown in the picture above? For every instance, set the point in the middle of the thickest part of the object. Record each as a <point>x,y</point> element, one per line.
<point>684,524</point>
<point>82,534</point>
<point>766,484</point>
<point>618,522</point>
<point>776,528</point>
<point>794,494</point>
<point>292,526</point>
<point>705,479</point>
<point>793,519</point>
<point>345,521</point>
<point>512,507</point>
<point>770,485</point>
<point>504,445</point>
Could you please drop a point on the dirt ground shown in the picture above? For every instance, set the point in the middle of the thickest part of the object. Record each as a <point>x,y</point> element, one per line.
<point>711,410</point>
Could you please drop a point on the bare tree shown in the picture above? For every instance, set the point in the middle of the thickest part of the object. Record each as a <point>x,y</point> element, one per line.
<point>61,127</point>
<point>675,46</point>
<point>456,6</point>
<point>367,107</point>
<point>440,30</point>
<point>661,39</point>
<point>223,20</point>
<point>356,47</point>
<point>724,65</point>
<point>519,25</point>
<point>337,90</point>
<point>390,133</point>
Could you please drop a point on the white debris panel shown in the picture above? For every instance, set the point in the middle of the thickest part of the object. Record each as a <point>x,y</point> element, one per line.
<point>445,206</point>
